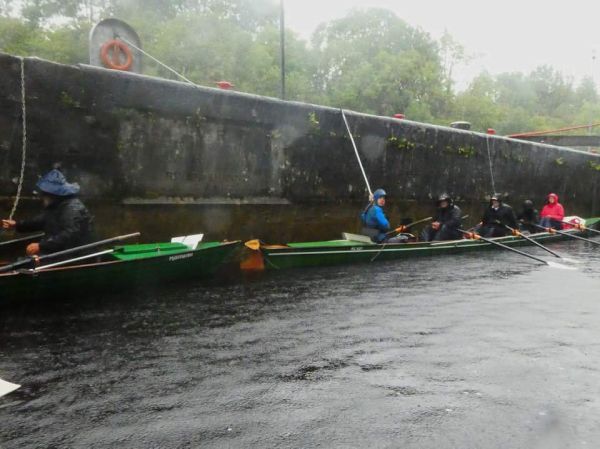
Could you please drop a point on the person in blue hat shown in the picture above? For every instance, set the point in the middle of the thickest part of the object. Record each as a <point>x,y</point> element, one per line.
<point>65,220</point>
<point>375,223</point>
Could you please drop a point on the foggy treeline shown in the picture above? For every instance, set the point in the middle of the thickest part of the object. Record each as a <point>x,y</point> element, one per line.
<point>370,60</point>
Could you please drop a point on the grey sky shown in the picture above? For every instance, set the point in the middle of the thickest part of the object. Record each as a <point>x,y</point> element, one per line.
<point>508,35</point>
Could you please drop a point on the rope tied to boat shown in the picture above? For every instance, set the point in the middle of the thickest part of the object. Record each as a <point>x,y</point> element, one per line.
<point>24,141</point>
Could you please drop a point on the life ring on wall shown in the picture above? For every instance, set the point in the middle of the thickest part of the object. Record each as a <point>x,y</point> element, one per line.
<point>112,59</point>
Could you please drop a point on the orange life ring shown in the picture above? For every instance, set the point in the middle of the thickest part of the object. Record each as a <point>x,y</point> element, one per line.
<point>112,60</point>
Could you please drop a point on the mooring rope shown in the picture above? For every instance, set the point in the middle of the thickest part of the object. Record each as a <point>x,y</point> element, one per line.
<point>24,141</point>
<point>156,60</point>
<point>357,155</point>
<point>487,141</point>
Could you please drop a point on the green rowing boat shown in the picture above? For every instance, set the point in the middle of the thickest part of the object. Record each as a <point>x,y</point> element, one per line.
<point>359,249</point>
<point>127,267</point>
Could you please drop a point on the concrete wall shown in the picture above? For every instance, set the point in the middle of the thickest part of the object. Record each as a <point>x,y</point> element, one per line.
<point>136,139</point>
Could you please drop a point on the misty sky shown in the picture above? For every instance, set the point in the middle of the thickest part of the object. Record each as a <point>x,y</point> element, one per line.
<point>508,35</point>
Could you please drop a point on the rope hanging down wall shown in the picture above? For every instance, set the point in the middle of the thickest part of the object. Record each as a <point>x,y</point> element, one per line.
<point>24,141</point>
<point>487,142</point>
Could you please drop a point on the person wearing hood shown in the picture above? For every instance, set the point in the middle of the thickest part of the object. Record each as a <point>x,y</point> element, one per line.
<point>496,217</point>
<point>528,217</point>
<point>65,220</point>
<point>552,213</point>
<point>446,222</point>
<point>375,223</point>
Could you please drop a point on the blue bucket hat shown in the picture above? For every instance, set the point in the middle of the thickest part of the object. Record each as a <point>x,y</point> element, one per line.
<point>55,183</point>
<point>378,194</point>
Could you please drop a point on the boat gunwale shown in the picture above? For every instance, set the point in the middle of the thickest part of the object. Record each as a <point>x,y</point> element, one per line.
<point>411,246</point>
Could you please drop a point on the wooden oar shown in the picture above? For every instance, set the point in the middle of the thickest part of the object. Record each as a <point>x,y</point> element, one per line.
<point>36,260</point>
<point>405,227</point>
<point>518,233</point>
<point>581,227</point>
<point>464,217</point>
<point>22,239</point>
<point>501,245</point>
<point>556,231</point>
<point>68,261</point>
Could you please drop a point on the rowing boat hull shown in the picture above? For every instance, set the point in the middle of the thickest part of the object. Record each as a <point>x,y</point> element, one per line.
<point>341,252</point>
<point>115,275</point>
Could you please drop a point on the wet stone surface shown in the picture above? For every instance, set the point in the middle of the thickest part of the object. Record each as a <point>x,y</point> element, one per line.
<point>478,351</point>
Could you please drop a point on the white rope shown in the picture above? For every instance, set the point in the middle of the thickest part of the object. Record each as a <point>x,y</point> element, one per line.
<point>357,155</point>
<point>157,61</point>
<point>487,141</point>
<point>24,145</point>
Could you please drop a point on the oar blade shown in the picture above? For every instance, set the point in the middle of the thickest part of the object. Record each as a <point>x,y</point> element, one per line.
<point>7,387</point>
<point>560,266</point>
<point>253,244</point>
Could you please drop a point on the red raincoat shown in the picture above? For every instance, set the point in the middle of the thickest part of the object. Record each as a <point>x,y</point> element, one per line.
<point>553,210</point>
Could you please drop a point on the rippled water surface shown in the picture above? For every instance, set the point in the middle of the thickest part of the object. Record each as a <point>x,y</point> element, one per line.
<point>473,351</point>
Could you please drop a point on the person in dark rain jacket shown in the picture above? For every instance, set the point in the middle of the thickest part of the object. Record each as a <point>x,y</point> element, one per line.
<point>496,217</point>
<point>528,217</point>
<point>447,221</point>
<point>65,220</point>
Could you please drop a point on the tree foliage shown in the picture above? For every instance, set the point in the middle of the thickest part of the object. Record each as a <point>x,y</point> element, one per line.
<point>370,60</point>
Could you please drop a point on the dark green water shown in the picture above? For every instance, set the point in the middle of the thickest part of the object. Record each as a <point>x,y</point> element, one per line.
<point>477,351</point>
<point>272,223</point>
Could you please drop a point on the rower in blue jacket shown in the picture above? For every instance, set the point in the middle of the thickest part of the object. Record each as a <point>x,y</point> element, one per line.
<point>375,223</point>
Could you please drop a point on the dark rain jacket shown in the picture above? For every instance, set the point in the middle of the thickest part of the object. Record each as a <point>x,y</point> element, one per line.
<point>504,215</point>
<point>529,216</point>
<point>66,223</point>
<point>449,217</point>
<point>528,219</point>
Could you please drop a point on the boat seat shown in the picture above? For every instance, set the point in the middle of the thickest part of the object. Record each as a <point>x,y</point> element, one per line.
<point>191,241</point>
<point>357,238</point>
<point>145,250</point>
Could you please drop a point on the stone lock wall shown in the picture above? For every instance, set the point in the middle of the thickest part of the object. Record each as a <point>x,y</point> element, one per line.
<point>132,139</point>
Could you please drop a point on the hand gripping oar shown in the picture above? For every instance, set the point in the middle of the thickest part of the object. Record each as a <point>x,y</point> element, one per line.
<point>501,245</point>
<point>581,227</point>
<point>357,155</point>
<point>22,239</point>
<point>66,252</point>
<point>518,233</point>
<point>556,231</point>
<point>403,228</point>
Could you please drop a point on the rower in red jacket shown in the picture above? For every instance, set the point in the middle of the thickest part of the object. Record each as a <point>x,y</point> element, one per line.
<point>553,213</point>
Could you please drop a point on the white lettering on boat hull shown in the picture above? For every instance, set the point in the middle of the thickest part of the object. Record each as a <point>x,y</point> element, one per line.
<point>180,257</point>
